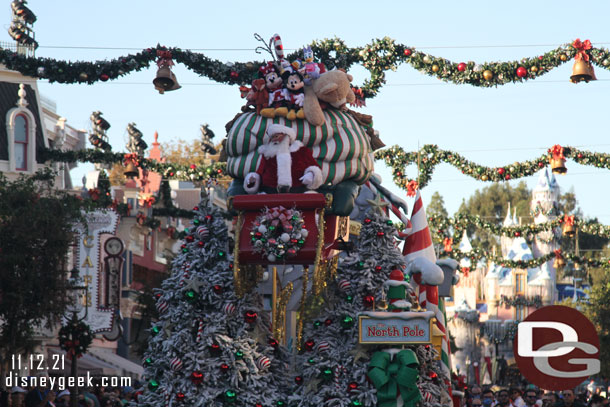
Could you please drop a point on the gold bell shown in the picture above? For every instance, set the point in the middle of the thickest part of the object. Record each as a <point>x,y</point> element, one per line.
<point>568,230</point>
<point>558,165</point>
<point>165,80</point>
<point>559,263</point>
<point>582,71</point>
<point>131,170</point>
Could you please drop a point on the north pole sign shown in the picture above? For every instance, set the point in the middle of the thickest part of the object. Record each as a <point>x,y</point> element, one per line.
<point>395,328</point>
<point>88,259</point>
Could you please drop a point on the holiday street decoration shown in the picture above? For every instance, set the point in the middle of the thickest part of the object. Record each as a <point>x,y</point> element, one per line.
<point>377,57</point>
<point>136,146</point>
<point>278,233</point>
<point>165,79</point>
<point>21,25</point>
<point>444,226</point>
<point>98,136</point>
<point>206,139</point>
<point>396,378</point>
<point>75,338</point>
<point>210,347</point>
<point>402,328</point>
<point>429,156</point>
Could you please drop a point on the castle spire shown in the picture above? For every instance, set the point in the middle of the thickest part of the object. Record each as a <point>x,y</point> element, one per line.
<point>508,221</point>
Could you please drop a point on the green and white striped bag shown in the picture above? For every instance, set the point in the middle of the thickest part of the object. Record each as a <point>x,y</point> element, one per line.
<point>341,145</point>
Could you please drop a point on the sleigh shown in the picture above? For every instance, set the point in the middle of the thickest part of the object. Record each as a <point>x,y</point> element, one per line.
<point>326,234</point>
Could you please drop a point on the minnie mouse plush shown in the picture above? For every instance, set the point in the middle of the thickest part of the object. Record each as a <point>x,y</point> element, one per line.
<point>273,83</point>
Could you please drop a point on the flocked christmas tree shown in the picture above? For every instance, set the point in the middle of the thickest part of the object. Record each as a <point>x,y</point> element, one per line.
<point>209,347</point>
<point>333,368</point>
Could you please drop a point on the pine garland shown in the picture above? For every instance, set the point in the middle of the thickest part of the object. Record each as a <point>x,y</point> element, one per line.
<point>458,223</point>
<point>429,156</point>
<point>377,57</point>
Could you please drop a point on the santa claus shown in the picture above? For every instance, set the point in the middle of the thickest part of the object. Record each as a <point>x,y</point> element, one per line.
<point>286,164</point>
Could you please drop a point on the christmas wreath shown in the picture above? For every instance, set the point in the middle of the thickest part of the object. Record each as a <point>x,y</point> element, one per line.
<point>278,233</point>
<point>75,338</point>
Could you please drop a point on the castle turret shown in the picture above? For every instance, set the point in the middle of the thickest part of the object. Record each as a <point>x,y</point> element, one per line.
<point>505,241</point>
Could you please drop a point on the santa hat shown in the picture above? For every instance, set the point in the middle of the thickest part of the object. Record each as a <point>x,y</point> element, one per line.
<point>279,128</point>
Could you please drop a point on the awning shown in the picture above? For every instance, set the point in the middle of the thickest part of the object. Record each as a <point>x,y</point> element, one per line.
<point>123,367</point>
<point>85,364</point>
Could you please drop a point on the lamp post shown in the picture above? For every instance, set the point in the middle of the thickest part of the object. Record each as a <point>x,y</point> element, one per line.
<point>76,291</point>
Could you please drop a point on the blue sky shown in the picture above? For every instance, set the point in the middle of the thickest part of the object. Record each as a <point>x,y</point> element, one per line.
<point>490,126</point>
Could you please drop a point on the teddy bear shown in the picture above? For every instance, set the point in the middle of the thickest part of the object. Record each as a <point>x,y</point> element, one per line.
<point>258,95</point>
<point>273,83</point>
<point>332,87</point>
<point>294,94</point>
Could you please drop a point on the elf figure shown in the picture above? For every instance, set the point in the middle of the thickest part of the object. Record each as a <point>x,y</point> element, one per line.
<point>286,164</point>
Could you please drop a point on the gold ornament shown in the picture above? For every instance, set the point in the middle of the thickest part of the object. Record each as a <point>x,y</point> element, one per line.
<point>435,68</point>
<point>563,57</point>
<point>488,75</point>
<point>534,69</point>
<point>83,76</point>
<point>484,177</point>
<point>427,59</point>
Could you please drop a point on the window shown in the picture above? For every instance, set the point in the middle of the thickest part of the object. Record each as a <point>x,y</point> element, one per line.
<point>520,313</point>
<point>520,283</point>
<point>21,143</point>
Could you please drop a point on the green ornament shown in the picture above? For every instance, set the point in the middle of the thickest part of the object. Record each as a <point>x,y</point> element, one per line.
<point>317,324</point>
<point>295,217</point>
<point>407,278</point>
<point>186,230</point>
<point>239,355</point>
<point>155,330</point>
<point>360,265</point>
<point>356,403</point>
<point>208,170</point>
<point>271,228</point>
<point>327,373</point>
<point>196,222</point>
<point>347,321</point>
<point>349,298</point>
<point>280,403</point>
<point>190,296</point>
<point>389,222</point>
<point>230,396</point>
<point>311,361</point>
<point>301,242</point>
<point>153,385</point>
<point>148,361</point>
<point>185,250</point>
<point>221,254</point>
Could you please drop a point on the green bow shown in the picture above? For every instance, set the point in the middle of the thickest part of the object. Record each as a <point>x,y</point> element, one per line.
<point>389,376</point>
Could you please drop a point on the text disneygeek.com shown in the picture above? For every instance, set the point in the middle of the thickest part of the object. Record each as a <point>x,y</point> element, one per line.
<point>62,383</point>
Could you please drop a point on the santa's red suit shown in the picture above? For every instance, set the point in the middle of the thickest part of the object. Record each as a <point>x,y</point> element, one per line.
<point>286,170</point>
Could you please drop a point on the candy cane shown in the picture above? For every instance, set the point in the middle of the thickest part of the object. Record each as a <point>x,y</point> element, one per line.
<point>200,330</point>
<point>279,48</point>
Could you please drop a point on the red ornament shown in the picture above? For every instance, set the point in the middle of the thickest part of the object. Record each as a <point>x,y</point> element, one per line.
<point>189,238</point>
<point>200,243</point>
<point>427,347</point>
<point>507,177</point>
<point>378,269</point>
<point>328,322</point>
<point>234,74</point>
<point>432,375</point>
<point>273,343</point>
<point>309,345</point>
<point>215,349</point>
<point>193,166</point>
<point>180,396</point>
<point>104,77</point>
<point>224,368</point>
<point>408,52</point>
<point>540,164</point>
<point>521,72</point>
<point>461,67</point>
<point>368,301</point>
<point>217,289</point>
<point>517,234</point>
<point>195,208</point>
<point>352,386</point>
<point>367,221</point>
<point>397,275</point>
<point>197,377</point>
<point>579,155</point>
<point>250,316</point>
<point>298,380</point>
<point>380,234</point>
<point>540,57</point>
<point>208,217</point>
<point>501,171</point>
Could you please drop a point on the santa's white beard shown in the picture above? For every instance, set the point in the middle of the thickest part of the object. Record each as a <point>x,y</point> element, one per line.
<point>281,151</point>
<point>274,148</point>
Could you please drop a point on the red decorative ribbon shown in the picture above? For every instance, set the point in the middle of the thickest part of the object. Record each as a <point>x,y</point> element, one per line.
<point>280,215</point>
<point>582,47</point>
<point>147,202</point>
<point>558,254</point>
<point>94,194</point>
<point>557,152</point>
<point>465,270</point>
<point>568,220</point>
<point>131,158</point>
<point>359,101</point>
<point>412,187</point>
<point>448,242</point>
<point>165,59</point>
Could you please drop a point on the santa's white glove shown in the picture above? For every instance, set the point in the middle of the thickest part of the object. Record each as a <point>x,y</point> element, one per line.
<point>252,182</point>
<point>307,179</point>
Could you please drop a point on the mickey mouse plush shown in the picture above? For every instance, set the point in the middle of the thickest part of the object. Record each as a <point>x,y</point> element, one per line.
<point>294,94</point>
<point>273,83</point>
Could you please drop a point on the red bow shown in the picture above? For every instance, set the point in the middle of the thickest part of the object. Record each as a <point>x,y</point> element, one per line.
<point>131,158</point>
<point>465,270</point>
<point>582,47</point>
<point>265,69</point>
<point>94,194</point>
<point>568,220</point>
<point>557,152</point>
<point>165,58</point>
<point>412,186</point>
<point>558,253</point>
<point>448,242</point>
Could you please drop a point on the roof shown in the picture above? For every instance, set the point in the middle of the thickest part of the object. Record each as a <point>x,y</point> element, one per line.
<point>567,291</point>
<point>8,100</point>
<point>519,250</point>
<point>546,182</point>
<point>125,366</point>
